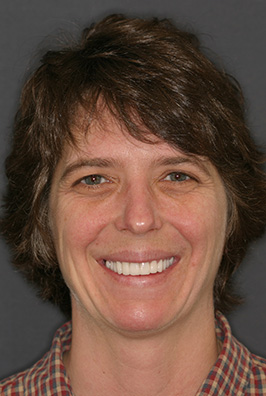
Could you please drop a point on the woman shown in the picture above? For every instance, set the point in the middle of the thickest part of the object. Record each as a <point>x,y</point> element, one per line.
<point>134,192</point>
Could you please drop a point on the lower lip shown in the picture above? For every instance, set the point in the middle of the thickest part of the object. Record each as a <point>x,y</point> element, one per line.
<point>158,277</point>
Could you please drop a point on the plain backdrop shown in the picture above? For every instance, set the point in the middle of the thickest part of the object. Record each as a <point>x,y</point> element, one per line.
<point>233,29</point>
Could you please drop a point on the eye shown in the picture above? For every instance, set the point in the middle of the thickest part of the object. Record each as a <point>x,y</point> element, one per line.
<point>93,180</point>
<point>177,177</point>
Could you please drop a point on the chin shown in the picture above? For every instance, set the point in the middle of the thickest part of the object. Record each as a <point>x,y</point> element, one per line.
<point>140,319</point>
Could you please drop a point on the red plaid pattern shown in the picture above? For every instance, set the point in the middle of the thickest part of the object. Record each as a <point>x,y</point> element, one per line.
<point>237,372</point>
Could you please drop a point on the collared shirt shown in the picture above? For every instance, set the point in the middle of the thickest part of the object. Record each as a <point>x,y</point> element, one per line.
<point>236,372</point>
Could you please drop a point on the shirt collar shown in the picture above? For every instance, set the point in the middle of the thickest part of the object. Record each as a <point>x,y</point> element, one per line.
<point>57,372</point>
<point>230,374</point>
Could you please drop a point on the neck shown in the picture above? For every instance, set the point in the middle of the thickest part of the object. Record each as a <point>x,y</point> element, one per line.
<point>102,361</point>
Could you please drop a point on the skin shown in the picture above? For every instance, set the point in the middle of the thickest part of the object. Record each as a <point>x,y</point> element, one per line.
<point>137,335</point>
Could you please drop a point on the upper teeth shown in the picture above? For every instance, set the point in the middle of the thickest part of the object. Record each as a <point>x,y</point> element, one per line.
<point>145,268</point>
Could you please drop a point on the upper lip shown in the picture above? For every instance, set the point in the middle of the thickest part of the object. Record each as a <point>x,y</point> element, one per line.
<point>137,256</point>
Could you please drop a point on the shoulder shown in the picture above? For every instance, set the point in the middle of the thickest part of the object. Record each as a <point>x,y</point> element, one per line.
<point>237,368</point>
<point>12,385</point>
<point>47,374</point>
<point>24,383</point>
<point>258,373</point>
<point>252,369</point>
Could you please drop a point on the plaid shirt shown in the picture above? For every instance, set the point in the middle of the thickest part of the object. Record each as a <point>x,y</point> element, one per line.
<point>236,372</point>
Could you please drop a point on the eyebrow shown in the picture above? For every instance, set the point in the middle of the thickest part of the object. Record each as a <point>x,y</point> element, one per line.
<point>183,160</point>
<point>93,162</point>
<point>111,163</point>
<point>176,161</point>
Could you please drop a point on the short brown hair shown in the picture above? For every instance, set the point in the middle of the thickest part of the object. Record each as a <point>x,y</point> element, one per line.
<point>144,68</point>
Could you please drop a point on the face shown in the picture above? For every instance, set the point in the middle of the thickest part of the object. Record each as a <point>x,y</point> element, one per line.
<point>139,229</point>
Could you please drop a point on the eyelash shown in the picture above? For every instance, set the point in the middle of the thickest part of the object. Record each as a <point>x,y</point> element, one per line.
<point>93,178</point>
<point>179,176</point>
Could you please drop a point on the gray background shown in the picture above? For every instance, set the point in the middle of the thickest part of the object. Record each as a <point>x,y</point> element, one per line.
<point>235,30</point>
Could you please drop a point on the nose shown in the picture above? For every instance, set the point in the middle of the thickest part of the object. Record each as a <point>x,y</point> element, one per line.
<point>138,211</point>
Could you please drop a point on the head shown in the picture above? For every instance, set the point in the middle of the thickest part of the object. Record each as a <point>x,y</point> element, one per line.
<point>156,82</point>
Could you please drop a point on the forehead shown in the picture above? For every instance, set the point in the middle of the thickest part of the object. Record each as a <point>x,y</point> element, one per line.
<point>106,137</point>
<point>104,121</point>
<point>106,132</point>
<point>100,124</point>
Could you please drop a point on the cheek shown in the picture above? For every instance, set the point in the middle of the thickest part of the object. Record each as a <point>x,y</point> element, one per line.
<point>79,224</point>
<point>191,215</point>
<point>201,222</point>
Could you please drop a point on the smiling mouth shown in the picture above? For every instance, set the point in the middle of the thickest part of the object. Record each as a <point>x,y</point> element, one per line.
<point>135,269</point>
